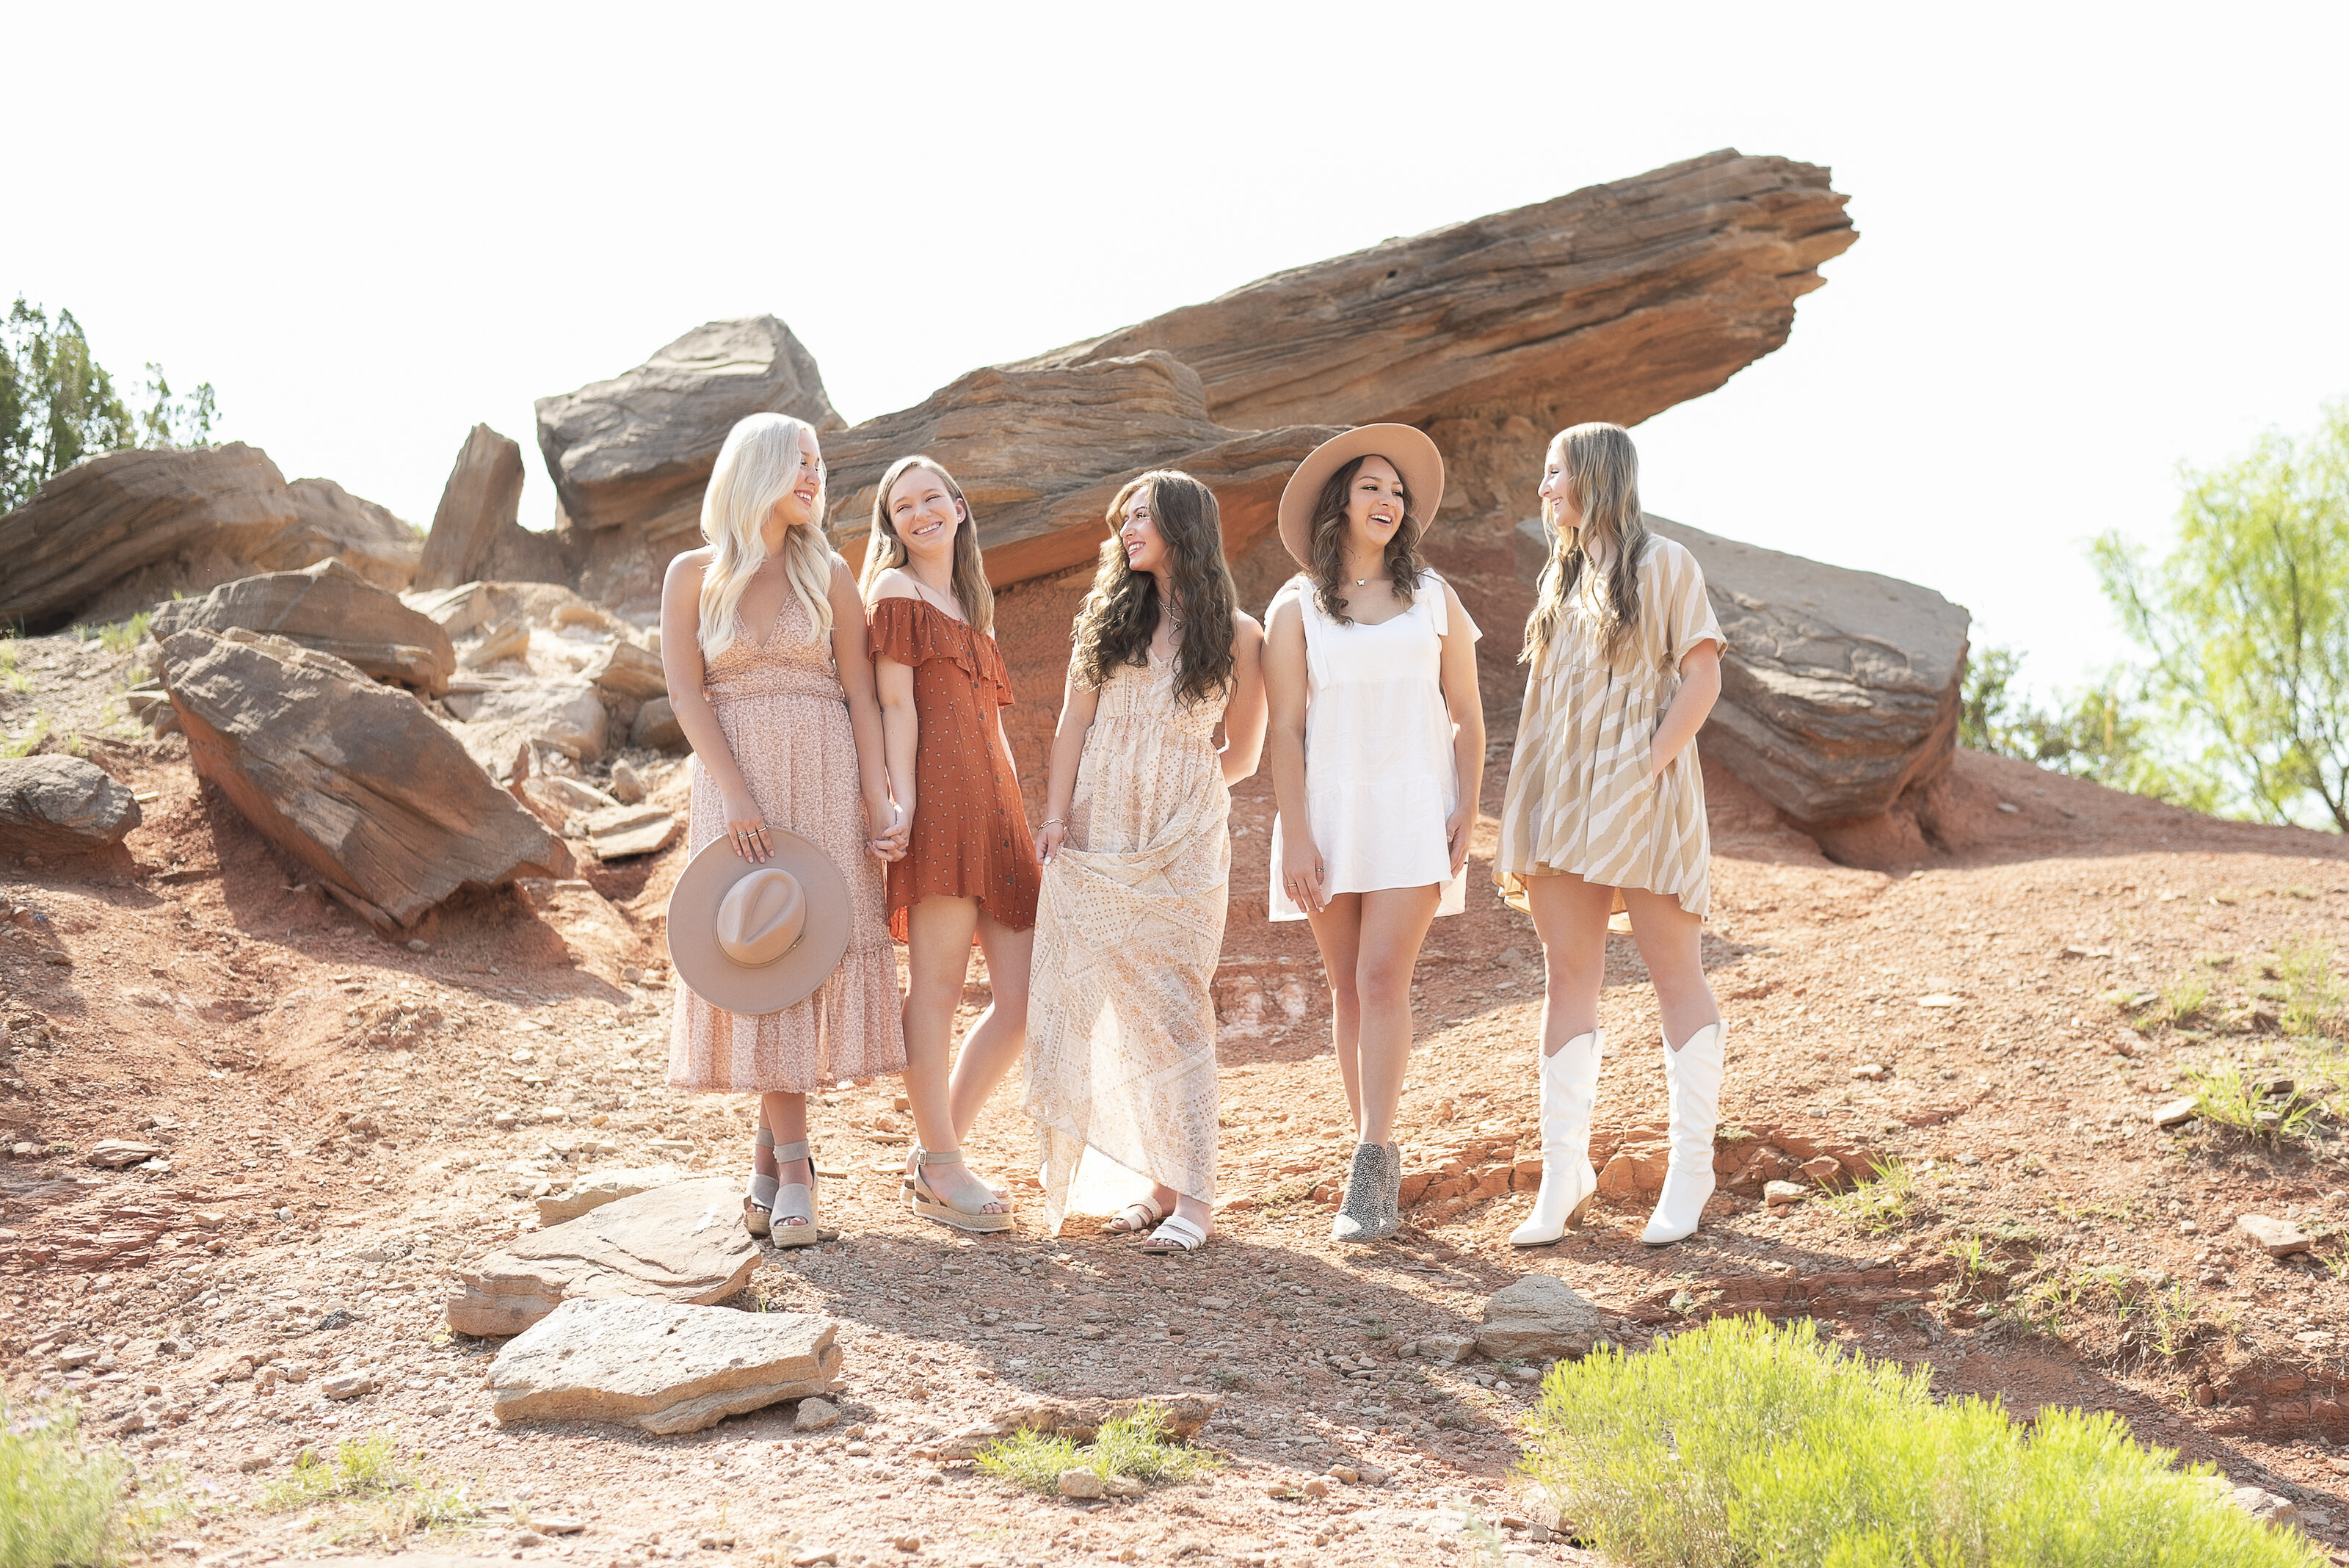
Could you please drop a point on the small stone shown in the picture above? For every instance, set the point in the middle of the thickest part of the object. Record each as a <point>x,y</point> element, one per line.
<point>74,1355</point>
<point>2008,807</point>
<point>1450,1349</point>
<point>908,1544</point>
<point>1782,1194</point>
<point>2264,1505</point>
<point>1870,1070</point>
<point>1537,1318</point>
<point>1318,1486</point>
<point>2279,1237</point>
<point>418,945</point>
<point>2205,1395</point>
<point>2177,1112</point>
<point>1214,1303</point>
<point>1938,999</point>
<point>117,1152</point>
<point>1346,1473</point>
<point>349,1385</point>
<point>557,1524</point>
<point>1123,1486</point>
<point>814,1415</point>
<point>1371,1475</point>
<point>1824,1167</point>
<point>1080,1483</point>
<point>817,1558</point>
<point>525,1539</point>
<point>259,1460</point>
<point>858,1450</point>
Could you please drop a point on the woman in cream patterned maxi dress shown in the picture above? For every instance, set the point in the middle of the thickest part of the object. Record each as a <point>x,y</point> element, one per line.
<point>1605,799</point>
<point>1138,854</point>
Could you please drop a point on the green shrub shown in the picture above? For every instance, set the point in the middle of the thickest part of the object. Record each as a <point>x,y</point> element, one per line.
<point>61,1502</point>
<point>1747,1443</point>
<point>1135,1446</point>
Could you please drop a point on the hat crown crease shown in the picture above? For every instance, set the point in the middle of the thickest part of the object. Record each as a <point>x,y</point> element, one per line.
<point>762,917</point>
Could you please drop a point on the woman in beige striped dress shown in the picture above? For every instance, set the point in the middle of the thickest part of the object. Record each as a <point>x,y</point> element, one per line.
<point>1605,799</point>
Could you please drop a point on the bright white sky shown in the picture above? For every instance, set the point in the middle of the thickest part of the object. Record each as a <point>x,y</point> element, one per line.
<point>2096,241</point>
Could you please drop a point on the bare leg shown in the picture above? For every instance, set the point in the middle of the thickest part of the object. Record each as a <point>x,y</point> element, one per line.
<point>786,1118</point>
<point>1669,938</point>
<point>938,954</point>
<point>1394,922</point>
<point>1570,918</point>
<point>996,1041</point>
<point>1337,932</point>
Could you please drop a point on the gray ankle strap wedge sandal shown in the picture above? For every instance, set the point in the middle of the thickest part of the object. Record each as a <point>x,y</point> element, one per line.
<point>930,1206</point>
<point>794,1200</point>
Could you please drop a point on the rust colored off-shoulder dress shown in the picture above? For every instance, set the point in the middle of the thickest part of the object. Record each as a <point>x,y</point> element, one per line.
<point>970,838</point>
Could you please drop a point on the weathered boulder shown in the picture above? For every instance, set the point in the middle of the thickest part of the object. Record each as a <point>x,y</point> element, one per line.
<point>1612,302</point>
<point>481,499</point>
<point>113,535</point>
<point>330,608</point>
<point>682,1243</point>
<point>1538,1318</point>
<point>61,806</point>
<point>657,727</point>
<point>1040,454</point>
<point>633,453</point>
<point>659,1365</point>
<point>340,526</point>
<point>1840,689</point>
<point>566,716</point>
<point>354,779</point>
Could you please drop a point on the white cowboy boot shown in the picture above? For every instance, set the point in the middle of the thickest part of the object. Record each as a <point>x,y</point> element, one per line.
<point>1692,1084</point>
<point>1569,1084</point>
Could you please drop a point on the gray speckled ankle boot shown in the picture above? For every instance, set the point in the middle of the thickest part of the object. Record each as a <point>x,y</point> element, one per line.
<point>1362,1216</point>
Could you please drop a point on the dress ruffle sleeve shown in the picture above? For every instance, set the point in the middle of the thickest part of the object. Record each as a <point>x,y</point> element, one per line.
<point>914,633</point>
<point>1439,608</point>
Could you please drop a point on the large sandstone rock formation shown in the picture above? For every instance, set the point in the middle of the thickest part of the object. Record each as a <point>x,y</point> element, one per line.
<point>1613,302</point>
<point>61,806</point>
<point>332,608</point>
<point>631,455</point>
<point>1840,690</point>
<point>354,779</point>
<point>481,500</point>
<point>1040,454</point>
<point>116,534</point>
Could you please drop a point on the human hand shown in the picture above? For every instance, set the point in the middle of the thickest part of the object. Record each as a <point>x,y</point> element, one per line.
<point>746,826</point>
<point>1301,873</point>
<point>1456,834</point>
<point>896,830</point>
<point>1049,839</point>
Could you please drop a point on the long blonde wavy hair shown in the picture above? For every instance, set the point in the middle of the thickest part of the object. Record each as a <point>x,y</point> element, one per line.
<point>883,549</point>
<point>1602,474</point>
<point>756,468</point>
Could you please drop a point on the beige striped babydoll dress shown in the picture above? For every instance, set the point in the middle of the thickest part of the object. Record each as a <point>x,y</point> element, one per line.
<point>1578,797</point>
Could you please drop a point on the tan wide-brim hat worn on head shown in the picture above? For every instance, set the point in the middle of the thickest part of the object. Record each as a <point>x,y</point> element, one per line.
<point>1406,446</point>
<point>756,937</point>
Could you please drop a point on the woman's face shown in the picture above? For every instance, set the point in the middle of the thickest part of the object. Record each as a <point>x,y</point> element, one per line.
<point>1145,546</point>
<point>1374,506</point>
<point>1558,489</point>
<point>926,514</point>
<point>795,507</point>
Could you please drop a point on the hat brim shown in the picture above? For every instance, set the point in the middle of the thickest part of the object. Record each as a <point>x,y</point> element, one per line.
<point>702,965</point>
<point>1406,446</point>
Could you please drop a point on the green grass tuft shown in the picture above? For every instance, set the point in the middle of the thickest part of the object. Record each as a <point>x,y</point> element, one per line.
<point>61,1502</point>
<point>393,1501</point>
<point>1891,1198</point>
<point>2313,997</point>
<point>1135,1446</point>
<point>1746,1442</point>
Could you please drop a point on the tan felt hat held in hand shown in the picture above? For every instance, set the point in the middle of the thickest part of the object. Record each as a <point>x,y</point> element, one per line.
<point>754,938</point>
<point>1406,446</point>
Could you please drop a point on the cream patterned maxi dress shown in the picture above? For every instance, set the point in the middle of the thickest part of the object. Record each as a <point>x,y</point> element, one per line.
<point>1121,1017</point>
<point>785,717</point>
<point>1579,796</point>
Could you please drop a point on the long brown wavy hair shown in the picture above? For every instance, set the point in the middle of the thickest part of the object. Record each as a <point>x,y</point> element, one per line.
<point>883,549</point>
<point>1326,541</point>
<point>1121,614</point>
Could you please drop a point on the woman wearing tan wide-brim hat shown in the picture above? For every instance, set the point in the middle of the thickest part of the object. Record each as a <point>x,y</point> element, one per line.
<point>1376,740</point>
<point>763,638</point>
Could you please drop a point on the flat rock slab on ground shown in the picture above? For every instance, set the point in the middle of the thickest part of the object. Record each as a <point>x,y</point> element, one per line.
<point>61,806</point>
<point>618,832</point>
<point>1537,1318</point>
<point>2282,1237</point>
<point>683,1244</point>
<point>664,1366</point>
<point>598,1187</point>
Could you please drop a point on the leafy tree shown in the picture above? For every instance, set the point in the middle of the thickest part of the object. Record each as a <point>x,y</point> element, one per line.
<point>2247,621</point>
<point>58,405</point>
<point>2109,732</point>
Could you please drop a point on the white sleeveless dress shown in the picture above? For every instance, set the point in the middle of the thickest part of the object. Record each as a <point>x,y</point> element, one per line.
<point>1379,773</point>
